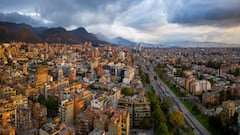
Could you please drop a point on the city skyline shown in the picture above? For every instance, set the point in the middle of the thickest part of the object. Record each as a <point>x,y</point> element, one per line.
<point>151,21</point>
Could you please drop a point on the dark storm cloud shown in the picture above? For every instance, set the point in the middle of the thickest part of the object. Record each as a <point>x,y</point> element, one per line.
<point>83,12</point>
<point>202,12</point>
<point>89,12</point>
<point>143,20</point>
<point>17,18</point>
<point>71,12</point>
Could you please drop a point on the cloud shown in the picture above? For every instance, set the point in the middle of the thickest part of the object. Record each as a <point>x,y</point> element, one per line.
<point>139,14</point>
<point>70,12</point>
<point>83,12</point>
<point>144,15</point>
<point>18,18</point>
<point>139,20</point>
<point>217,13</point>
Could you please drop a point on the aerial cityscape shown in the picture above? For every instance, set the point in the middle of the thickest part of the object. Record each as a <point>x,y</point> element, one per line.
<point>129,67</point>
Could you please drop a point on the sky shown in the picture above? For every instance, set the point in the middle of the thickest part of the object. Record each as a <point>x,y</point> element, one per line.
<point>151,21</point>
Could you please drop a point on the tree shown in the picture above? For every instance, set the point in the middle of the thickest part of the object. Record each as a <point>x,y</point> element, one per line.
<point>166,104</point>
<point>216,122</point>
<point>180,73</point>
<point>52,107</point>
<point>51,104</point>
<point>223,96</point>
<point>176,118</point>
<point>92,86</point>
<point>155,77</point>
<point>188,131</point>
<point>127,91</point>
<point>201,77</point>
<point>144,77</point>
<point>230,95</point>
<point>162,129</point>
<point>156,112</point>
<point>159,116</point>
<point>237,72</point>
<point>41,99</point>
<point>195,109</point>
<point>151,61</point>
<point>214,64</point>
<point>212,82</point>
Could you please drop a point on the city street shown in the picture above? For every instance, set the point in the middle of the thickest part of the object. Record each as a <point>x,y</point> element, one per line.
<point>163,91</point>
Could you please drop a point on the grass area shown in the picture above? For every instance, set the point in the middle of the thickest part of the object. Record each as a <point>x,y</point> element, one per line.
<point>174,89</point>
<point>200,117</point>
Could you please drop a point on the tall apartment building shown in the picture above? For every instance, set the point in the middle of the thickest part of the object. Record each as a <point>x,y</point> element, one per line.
<point>210,97</point>
<point>78,106</point>
<point>60,74</point>
<point>84,122</point>
<point>31,91</point>
<point>195,86</point>
<point>188,81</point>
<point>228,109</point>
<point>8,108</point>
<point>23,118</point>
<point>25,69</point>
<point>72,75</point>
<point>85,95</point>
<point>8,111</point>
<point>39,113</point>
<point>128,73</point>
<point>66,112</point>
<point>198,87</point>
<point>6,92</point>
<point>138,106</point>
<point>23,113</point>
<point>113,121</point>
<point>42,75</point>
<point>20,101</point>
<point>6,128</point>
<point>115,97</point>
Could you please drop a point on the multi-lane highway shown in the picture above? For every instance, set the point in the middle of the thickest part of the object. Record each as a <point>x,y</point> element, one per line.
<point>163,91</point>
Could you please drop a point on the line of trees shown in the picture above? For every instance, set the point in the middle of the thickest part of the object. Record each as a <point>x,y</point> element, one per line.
<point>166,121</point>
<point>159,119</point>
<point>144,76</point>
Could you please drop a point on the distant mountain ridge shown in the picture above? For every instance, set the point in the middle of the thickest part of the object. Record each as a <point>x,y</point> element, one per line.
<point>26,33</point>
<point>122,41</point>
<point>116,40</point>
<point>198,44</point>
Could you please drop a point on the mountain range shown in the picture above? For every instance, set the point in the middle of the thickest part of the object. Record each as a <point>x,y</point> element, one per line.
<point>22,32</point>
<point>186,44</point>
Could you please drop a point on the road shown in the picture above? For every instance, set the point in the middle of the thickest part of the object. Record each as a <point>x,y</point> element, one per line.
<point>163,91</point>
